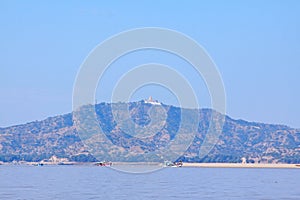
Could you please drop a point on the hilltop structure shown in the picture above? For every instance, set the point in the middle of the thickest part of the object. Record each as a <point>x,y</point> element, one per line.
<point>151,101</point>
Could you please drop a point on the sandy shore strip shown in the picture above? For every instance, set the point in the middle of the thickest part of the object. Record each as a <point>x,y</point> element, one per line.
<point>195,165</point>
<point>240,165</point>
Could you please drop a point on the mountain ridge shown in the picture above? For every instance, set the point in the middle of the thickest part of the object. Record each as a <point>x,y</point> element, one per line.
<point>56,135</point>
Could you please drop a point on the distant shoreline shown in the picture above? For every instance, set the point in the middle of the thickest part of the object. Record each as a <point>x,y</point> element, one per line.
<point>185,164</point>
<point>241,165</point>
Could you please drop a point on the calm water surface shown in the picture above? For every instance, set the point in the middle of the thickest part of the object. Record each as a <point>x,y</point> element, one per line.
<point>89,182</point>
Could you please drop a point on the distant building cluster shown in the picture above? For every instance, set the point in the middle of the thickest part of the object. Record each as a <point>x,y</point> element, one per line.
<point>55,159</point>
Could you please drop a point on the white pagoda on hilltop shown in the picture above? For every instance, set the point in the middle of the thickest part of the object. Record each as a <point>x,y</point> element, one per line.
<point>151,101</point>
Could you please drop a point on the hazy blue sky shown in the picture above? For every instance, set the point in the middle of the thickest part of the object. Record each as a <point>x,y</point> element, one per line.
<point>255,44</point>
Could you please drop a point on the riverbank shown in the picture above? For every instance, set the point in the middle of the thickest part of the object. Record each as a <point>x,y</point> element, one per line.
<point>194,165</point>
<point>241,165</point>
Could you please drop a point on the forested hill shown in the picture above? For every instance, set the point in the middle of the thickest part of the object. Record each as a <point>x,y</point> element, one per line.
<point>257,142</point>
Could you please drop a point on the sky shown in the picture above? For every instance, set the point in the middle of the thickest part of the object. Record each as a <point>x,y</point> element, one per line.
<point>254,44</point>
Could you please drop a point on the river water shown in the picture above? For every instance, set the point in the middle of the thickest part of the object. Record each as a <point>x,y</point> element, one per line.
<point>90,182</point>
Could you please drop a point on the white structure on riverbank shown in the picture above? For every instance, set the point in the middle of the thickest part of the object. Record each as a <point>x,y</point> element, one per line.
<point>244,160</point>
<point>55,159</point>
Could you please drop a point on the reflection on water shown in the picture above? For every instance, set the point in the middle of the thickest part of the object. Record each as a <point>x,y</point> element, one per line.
<point>89,182</point>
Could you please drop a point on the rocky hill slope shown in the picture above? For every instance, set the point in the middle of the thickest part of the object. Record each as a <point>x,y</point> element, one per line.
<point>257,142</point>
